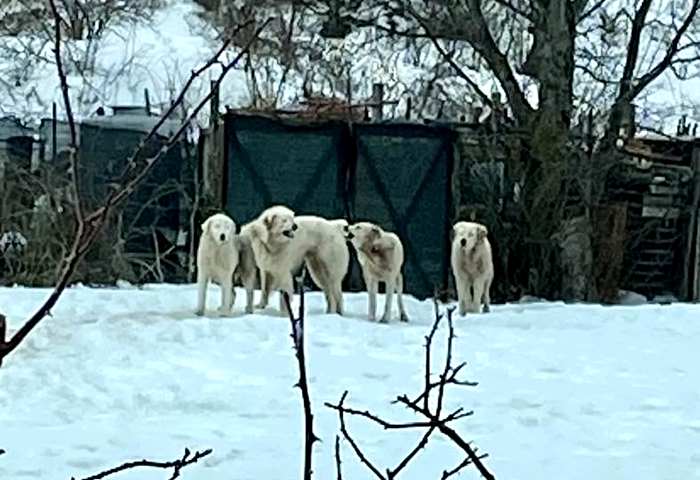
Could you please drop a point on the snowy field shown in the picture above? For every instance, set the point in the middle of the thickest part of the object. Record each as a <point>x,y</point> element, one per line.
<point>574,392</point>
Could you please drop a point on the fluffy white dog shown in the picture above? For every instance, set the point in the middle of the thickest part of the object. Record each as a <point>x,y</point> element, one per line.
<point>282,242</point>
<point>217,259</point>
<point>380,255</point>
<point>472,266</point>
<point>270,237</point>
<point>326,256</point>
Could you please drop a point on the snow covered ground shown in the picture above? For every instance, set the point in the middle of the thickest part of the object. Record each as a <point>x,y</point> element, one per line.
<point>575,392</point>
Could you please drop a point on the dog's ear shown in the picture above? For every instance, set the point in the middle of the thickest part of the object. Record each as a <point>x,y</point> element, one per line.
<point>206,225</point>
<point>481,233</point>
<point>259,230</point>
<point>269,220</point>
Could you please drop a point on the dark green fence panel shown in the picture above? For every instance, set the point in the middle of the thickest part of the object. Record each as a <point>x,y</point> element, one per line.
<point>401,180</point>
<point>270,161</point>
<point>157,201</point>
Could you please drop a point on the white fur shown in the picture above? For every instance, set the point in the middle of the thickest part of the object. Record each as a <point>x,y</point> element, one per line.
<point>247,270</point>
<point>217,259</point>
<point>271,234</point>
<point>472,266</point>
<point>326,255</point>
<point>381,257</point>
<point>282,241</point>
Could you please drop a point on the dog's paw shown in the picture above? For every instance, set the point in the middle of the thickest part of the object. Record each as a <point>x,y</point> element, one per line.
<point>199,312</point>
<point>404,318</point>
<point>384,319</point>
<point>261,305</point>
<point>225,312</point>
<point>462,311</point>
<point>486,309</point>
<point>249,309</point>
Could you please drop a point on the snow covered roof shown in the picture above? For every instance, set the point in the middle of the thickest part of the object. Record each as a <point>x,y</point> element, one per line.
<point>11,127</point>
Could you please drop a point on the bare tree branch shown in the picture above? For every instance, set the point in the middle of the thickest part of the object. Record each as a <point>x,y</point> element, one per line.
<point>515,9</point>
<point>351,441</point>
<point>478,35</point>
<point>671,52</point>
<point>176,465</point>
<point>338,463</point>
<point>594,8</point>
<point>633,47</point>
<point>298,338</point>
<point>95,221</point>
<point>435,422</point>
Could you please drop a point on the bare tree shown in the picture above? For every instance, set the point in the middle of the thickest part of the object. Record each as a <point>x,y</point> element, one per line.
<point>25,53</point>
<point>540,49</point>
<point>90,223</point>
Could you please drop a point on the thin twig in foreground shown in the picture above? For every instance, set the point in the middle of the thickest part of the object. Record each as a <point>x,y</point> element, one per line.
<point>338,463</point>
<point>298,338</point>
<point>175,465</point>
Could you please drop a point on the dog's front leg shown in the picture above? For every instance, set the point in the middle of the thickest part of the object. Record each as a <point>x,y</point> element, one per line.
<point>478,294</point>
<point>462,295</point>
<point>227,295</point>
<point>265,284</point>
<point>249,291</point>
<point>389,300</point>
<point>202,281</point>
<point>372,288</point>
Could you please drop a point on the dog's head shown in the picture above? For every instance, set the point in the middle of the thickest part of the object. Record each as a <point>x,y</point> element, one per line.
<point>362,233</point>
<point>468,235</point>
<point>278,224</point>
<point>220,228</point>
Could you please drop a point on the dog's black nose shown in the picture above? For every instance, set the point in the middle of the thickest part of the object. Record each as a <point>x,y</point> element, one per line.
<point>294,227</point>
<point>346,228</point>
<point>350,236</point>
<point>222,237</point>
<point>463,242</point>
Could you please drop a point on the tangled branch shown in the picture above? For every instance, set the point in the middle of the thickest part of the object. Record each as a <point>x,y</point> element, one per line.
<point>90,225</point>
<point>435,420</point>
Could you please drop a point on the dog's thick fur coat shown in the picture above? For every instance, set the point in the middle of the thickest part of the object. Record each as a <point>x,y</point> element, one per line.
<point>282,241</point>
<point>381,257</point>
<point>247,270</point>
<point>472,266</point>
<point>217,259</point>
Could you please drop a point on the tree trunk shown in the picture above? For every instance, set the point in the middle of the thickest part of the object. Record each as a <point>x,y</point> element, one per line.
<point>548,157</point>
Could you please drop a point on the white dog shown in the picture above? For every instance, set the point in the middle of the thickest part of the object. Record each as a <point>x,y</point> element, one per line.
<point>247,270</point>
<point>472,266</point>
<point>380,255</point>
<point>270,235</point>
<point>327,256</point>
<point>217,259</point>
<point>282,241</point>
